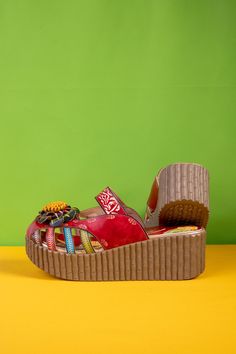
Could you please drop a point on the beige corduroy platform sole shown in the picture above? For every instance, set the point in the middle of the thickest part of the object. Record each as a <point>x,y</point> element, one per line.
<point>183,196</point>
<point>176,257</point>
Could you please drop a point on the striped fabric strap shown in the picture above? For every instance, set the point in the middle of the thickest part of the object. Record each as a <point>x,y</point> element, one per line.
<point>37,237</point>
<point>85,239</point>
<point>50,239</point>
<point>69,240</point>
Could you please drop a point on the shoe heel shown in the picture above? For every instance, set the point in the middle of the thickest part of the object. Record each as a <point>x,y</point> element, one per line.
<point>183,195</point>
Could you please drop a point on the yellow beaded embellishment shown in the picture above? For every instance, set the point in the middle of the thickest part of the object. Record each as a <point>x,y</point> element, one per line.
<point>55,206</point>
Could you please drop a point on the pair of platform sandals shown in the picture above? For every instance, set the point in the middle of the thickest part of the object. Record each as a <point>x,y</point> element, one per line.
<point>112,242</point>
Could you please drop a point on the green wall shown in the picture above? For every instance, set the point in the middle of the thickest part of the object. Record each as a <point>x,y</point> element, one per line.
<point>97,93</point>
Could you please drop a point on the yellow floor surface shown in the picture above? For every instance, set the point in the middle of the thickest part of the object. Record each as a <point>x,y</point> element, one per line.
<point>40,314</point>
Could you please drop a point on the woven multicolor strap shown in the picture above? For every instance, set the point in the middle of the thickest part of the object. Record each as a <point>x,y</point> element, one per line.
<point>50,239</point>
<point>37,237</point>
<point>110,203</point>
<point>69,240</point>
<point>85,240</point>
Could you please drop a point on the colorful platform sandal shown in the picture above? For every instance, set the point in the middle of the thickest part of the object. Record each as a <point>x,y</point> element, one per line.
<point>111,242</point>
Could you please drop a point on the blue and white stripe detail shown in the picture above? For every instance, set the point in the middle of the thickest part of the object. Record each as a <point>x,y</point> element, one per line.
<point>69,240</point>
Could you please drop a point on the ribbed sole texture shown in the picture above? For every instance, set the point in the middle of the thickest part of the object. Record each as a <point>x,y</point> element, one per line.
<point>163,258</point>
<point>183,195</point>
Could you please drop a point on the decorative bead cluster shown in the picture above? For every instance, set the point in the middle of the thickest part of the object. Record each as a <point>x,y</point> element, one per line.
<point>55,206</point>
